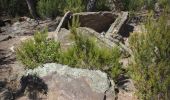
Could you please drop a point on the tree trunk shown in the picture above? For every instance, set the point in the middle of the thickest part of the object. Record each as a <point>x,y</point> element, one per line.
<point>32,8</point>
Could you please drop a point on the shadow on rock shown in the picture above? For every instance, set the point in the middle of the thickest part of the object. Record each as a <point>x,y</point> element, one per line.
<point>33,85</point>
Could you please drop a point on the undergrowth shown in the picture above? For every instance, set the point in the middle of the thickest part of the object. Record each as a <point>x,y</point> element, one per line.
<point>52,8</point>
<point>150,67</point>
<point>137,5</point>
<point>85,53</point>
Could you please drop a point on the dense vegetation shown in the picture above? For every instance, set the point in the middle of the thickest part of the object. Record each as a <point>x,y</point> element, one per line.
<point>135,5</point>
<point>52,8</point>
<point>48,8</point>
<point>150,67</point>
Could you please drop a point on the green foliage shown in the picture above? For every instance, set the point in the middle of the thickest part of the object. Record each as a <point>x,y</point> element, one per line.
<point>132,4</point>
<point>135,5</point>
<point>102,5</point>
<point>75,5</point>
<point>85,53</point>
<point>50,8</point>
<point>39,50</point>
<point>150,67</point>
<point>13,7</point>
<point>165,4</point>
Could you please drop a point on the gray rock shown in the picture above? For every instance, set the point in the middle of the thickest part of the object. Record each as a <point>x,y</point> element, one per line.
<point>27,26</point>
<point>65,83</point>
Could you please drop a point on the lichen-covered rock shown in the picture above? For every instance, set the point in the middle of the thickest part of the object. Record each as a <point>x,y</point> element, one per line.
<point>65,83</point>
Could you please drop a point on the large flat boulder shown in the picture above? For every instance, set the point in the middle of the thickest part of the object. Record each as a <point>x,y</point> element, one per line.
<point>65,83</point>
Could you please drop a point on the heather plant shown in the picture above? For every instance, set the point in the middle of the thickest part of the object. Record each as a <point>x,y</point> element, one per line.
<point>50,8</point>
<point>74,5</point>
<point>150,66</point>
<point>37,51</point>
<point>136,5</point>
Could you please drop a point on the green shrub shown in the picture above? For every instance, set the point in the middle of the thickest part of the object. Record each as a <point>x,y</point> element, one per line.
<point>85,53</point>
<point>132,4</point>
<point>80,5</point>
<point>102,5</point>
<point>75,5</point>
<point>165,4</point>
<point>39,50</point>
<point>150,67</point>
<point>135,5</point>
<point>50,8</point>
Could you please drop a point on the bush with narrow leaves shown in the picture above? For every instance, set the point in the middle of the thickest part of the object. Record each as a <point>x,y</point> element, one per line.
<point>150,66</point>
<point>37,51</point>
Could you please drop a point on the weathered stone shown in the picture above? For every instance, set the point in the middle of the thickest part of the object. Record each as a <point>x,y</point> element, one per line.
<point>96,22</point>
<point>123,95</point>
<point>5,37</point>
<point>117,25</point>
<point>27,26</point>
<point>64,21</point>
<point>99,21</point>
<point>65,83</point>
<point>100,37</point>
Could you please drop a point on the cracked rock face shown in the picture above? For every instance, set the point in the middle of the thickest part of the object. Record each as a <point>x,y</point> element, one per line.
<point>65,83</point>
